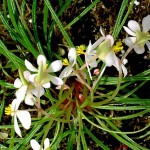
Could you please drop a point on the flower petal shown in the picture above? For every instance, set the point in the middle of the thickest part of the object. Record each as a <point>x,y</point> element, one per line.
<point>15,105</point>
<point>55,66</point>
<point>129,31</point>
<point>72,56</point>
<point>16,126</point>
<point>134,26</point>
<point>46,143</point>
<point>35,145</point>
<point>30,66</point>
<point>111,39</point>
<point>46,85</point>
<point>124,70</point>
<point>93,63</point>
<point>26,75</point>
<point>146,23</point>
<point>20,93</point>
<point>56,80</point>
<point>101,31</point>
<point>112,60</point>
<point>17,83</point>
<point>29,99</point>
<point>89,48</point>
<point>129,41</point>
<point>66,72</point>
<point>25,118</point>
<point>98,42</point>
<point>139,50</point>
<point>31,77</point>
<point>35,91</point>
<point>148,45</point>
<point>41,59</point>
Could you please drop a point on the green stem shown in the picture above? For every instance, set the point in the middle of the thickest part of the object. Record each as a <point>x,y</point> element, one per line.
<point>115,92</point>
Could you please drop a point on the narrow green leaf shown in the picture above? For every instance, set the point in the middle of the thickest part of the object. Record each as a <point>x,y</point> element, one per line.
<point>82,14</point>
<point>34,23</point>
<point>58,22</point>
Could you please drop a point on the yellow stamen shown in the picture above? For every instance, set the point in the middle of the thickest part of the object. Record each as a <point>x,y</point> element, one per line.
<point>46,66</point>
<point>65,62</point>
<point>8,110</point>
<point>118,47</point>
<point>80,49</point>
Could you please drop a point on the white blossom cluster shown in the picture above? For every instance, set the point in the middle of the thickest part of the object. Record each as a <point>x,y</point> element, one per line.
<point>33,81</point>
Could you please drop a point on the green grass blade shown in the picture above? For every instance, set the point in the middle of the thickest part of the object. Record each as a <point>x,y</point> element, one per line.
<point>61,136</point>
<point>45,21</point>
<point>12,13</point>
<point>71,140</point>
<point>82,14</point>
<point>19,63</point>
<point>34,23</point>
<point>94,138</point>
<point>50,32</point>
<point>6,85</point>
<point>120,22</point>
<point>119,18</point>
<point>58,22</point>
<point>27,41</point>
<point>2,106</point>
<point>28,137</point>
<point>20,36</point>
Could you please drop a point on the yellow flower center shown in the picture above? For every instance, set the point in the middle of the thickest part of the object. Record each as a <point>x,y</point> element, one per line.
<point>66,62</point>
<point>118,47</point>
<point>8,110</point>
<point>80,49</point>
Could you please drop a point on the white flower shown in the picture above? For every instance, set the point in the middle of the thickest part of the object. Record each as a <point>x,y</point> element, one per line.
<point>42,77</point>
<point>106,53</point>
<point>23,116</point>
<point>70,64</point>
<point>36,146</point>
<point>89,55</point>
<point>138,38</point>
<point>26,89</point>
